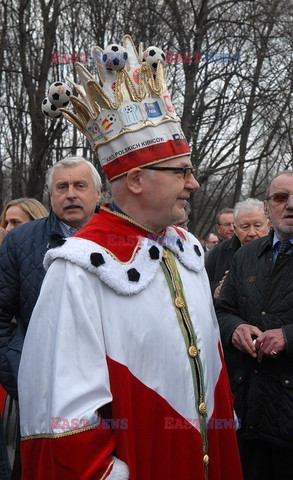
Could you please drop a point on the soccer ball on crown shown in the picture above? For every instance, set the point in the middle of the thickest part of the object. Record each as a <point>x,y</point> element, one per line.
<point>115,57</point>
<point>59,94</point>
<point>50,110</point>
<point>152,55</point>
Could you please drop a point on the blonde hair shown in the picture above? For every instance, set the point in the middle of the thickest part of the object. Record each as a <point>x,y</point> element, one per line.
<point>31,206</point>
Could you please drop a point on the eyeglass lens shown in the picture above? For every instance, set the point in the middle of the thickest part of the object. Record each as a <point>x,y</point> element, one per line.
<point>280,197</point>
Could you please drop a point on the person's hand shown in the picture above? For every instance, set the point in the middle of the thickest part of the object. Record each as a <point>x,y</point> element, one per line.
<point>270,343</point>
<point>242,338</point>
<point>219,287</point>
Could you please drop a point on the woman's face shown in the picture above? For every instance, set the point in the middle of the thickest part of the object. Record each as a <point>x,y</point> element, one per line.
<point>15,216</point>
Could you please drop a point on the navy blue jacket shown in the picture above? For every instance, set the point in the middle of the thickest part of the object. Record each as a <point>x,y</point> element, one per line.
<point>21,275</point>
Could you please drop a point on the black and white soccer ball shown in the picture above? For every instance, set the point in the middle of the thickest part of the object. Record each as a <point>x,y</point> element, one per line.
<point>114,57</point>
<point>59,94</point>
<point>50,110</point>
<point>152,55</point>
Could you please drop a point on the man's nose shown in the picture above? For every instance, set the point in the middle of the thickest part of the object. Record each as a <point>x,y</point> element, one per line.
<point>290,202</point>
<point>71,193</point>
<point>192,183</point>
<point>252,231</point>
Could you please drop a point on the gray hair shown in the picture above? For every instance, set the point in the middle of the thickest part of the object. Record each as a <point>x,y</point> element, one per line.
<point>248,204</point>
<point>72,162</point>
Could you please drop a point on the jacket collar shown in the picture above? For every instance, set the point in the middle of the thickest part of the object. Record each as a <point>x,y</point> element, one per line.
<point>265,243</point>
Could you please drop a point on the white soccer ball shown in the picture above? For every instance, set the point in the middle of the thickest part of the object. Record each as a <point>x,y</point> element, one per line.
<point>114,57</point>
<point>152,55</point>
<point>50,110</point>
<point>59,94</point>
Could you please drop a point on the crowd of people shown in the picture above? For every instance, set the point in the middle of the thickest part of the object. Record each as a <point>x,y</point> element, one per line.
<point>251,289</point>
<point>131,350</point>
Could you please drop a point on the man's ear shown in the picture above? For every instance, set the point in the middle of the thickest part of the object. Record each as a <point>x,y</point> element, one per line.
<point>134,180</point>
<point>99,194</point>
<point>266,210</point>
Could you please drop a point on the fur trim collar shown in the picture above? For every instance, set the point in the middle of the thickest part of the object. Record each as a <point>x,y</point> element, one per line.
<point>132,276</point>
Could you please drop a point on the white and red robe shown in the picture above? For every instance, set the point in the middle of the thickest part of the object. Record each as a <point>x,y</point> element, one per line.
<point>106,384</point>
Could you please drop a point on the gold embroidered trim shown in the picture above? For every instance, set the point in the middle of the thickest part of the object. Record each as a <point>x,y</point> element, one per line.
<point>60,435</point>
<point>177,293</point>
<point>146,123</point>
<point>130,220</point>
<point>132,256</point>
<point>108,468</point>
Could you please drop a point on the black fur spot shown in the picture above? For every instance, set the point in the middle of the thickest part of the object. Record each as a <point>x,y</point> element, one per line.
<point>180,245</point>
<point>56,240</point>
<point>154,253</point>
<point>133,275</point>
<point>197,250</point>
<point>97,259</point>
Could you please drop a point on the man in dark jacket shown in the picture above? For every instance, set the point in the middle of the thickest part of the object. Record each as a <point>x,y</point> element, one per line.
<point>75,188</point>
<point>250,223</point>
<point>255,313</point>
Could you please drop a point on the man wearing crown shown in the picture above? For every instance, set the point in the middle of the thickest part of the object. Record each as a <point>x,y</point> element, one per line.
<point>122,373</point>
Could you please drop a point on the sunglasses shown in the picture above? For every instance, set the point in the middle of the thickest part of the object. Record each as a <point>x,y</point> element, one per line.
<point>185,171</point>
<point>280,197</point>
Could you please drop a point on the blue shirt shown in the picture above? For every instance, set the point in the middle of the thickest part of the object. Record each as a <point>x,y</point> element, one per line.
<point>67,230</point>
<point>275,251</point>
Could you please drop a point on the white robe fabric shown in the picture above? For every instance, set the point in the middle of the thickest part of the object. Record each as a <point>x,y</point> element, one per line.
<point>89,317</point>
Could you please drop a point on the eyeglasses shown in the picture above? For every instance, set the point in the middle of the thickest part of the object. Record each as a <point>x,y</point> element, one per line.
<point>186,172</point>
<point>226,225</point>
<point>280,197</point>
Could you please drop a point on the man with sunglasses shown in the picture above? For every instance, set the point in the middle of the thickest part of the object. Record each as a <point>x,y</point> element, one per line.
<point>131,378</point>
<point>255,313</point>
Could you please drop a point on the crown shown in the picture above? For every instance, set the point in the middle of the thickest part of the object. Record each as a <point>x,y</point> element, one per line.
<point>126,113</point>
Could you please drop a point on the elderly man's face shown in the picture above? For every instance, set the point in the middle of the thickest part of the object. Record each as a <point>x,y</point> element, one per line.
<point>73,196</point>
<point>166,192</point>
<point>250,225</point>
<point>280,206</point>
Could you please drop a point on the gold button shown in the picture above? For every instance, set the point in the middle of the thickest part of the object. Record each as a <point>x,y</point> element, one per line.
<point>287,382</point>
<point>202,408</point>
<point>165,254</point>
<point>206,459</point>
<point>193,351</point>
<point>179,302</point>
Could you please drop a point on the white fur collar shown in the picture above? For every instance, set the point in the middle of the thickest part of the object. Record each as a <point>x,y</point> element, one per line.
<point>134,276</point>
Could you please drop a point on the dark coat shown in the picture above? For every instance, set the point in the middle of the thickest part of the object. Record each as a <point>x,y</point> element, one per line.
<point>260,293</point>
<point>219,259</point>
<point>21,276</point>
